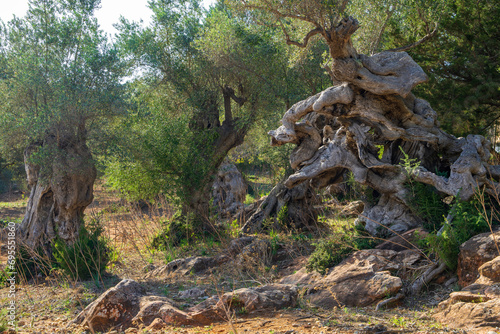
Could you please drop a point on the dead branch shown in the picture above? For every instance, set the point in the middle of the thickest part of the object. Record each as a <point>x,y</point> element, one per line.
<point>388,301</point>
<point>306,38</point>
<point>436,269</point>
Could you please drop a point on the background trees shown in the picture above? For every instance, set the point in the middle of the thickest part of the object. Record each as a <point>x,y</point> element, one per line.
<point>206,81</point>
<point>59,77</point>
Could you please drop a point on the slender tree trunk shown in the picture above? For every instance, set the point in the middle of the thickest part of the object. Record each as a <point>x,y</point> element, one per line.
<point>60,190</point>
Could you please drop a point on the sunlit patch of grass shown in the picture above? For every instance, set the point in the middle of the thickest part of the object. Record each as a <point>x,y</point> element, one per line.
<point>19,204</point>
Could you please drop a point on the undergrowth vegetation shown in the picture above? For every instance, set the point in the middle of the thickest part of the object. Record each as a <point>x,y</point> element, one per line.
<point>85,259</point>
<point>343,240</point>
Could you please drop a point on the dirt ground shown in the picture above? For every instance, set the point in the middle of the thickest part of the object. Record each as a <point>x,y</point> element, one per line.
<point>47,305</point>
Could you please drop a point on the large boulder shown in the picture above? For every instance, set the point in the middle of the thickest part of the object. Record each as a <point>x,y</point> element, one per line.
<point>360,280</point>
<point>474,253</point>
<point>476,307</point>
<point>266,297</point>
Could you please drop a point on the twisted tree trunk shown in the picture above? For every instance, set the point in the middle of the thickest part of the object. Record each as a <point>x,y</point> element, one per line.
<point>60,190</point>
<point>348,126</point>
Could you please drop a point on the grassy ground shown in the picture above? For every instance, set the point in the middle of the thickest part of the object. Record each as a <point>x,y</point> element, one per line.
<point>48,304</point>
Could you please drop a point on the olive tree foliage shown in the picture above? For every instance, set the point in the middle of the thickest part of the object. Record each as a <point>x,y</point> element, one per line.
<point>463,66</point>
<point>59,78</point>
<point>206,78</point>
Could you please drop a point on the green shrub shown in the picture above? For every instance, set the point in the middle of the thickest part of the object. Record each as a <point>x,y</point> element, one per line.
<point>423,199</point>
<point>87,257</point>
<point>468,221</point>
<point>330,252</point>
<point>426,203</point>
<point>174,232</point>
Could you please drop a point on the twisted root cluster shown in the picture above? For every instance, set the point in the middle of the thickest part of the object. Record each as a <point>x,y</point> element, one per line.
<point>367,125</point>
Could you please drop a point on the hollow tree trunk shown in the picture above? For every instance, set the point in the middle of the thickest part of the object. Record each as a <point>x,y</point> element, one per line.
<point>60,190</point>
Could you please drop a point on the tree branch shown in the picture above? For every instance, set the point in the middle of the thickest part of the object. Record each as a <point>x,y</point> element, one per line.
<point>411,46</point>
<point>280,14</point>
<point>381,32</point>
<point>306,38</point>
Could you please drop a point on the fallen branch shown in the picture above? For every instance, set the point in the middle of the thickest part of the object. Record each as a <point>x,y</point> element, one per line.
<point>426,277</point>
<point>388,301</point>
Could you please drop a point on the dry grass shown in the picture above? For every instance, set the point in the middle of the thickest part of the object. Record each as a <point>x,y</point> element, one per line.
<point>48,305</point>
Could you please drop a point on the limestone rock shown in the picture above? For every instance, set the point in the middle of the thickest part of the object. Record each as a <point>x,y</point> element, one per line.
<point>491,270</point>
<point>237,245</point>
<point>183,267</point>
<point>157,324</point>
<point>128,304</point>
<point>192,293</point>
<point>116,306</point>
<point>267,297</point>
<point>360,280</point>
<point>301,277</point>
<point>474,253</point>
<point>477,306</point>
<point>154,307</point>
<point>254,254</point>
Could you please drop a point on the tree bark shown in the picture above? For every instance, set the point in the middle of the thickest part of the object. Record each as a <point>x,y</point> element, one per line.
<point>296,206</point>
<point>60,190</point>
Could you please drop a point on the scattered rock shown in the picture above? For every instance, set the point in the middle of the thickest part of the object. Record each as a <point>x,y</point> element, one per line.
<point>237,245</point>
<point>301,277</point>
<point>271,297</point>
<point>192,293</point>
<point>157,324</point>
<point>474,253</point>
<point>116,306</point>
<point>254,254</point>
<point>360,280</point>
<point>477,305</point>
<point>127,304</point>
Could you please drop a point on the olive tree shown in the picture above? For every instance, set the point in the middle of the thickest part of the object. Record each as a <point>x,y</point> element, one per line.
<point>59,77</point>
<point>369,123</point>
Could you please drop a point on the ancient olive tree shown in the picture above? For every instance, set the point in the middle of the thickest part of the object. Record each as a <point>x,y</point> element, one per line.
<point>59,77</point>
<point>371,125</point>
